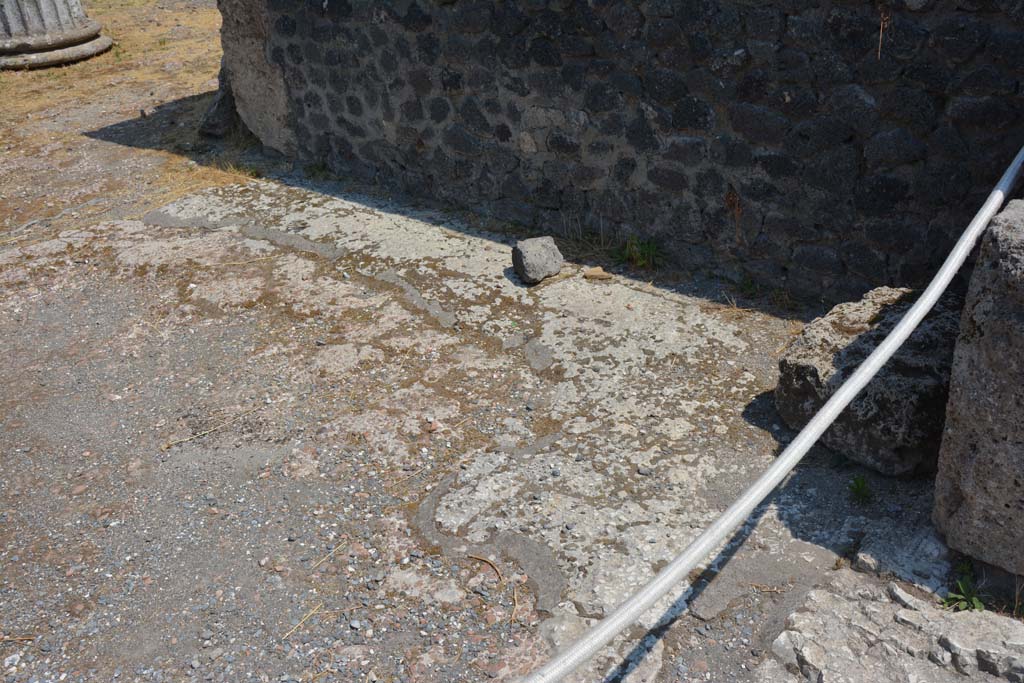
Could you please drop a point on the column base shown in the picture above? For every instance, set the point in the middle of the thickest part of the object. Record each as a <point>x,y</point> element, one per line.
<point>64,55</point>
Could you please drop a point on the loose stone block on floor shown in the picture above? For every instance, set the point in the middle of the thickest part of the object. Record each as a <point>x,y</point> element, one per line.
<point>894,426</point>
<point>536,258</point>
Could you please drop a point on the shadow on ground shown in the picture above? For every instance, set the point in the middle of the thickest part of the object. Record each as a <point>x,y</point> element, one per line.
<point>173,127</point>
<point>815,504</point>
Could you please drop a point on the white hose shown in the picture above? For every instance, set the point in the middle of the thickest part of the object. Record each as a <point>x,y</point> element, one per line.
<point>632,609</point>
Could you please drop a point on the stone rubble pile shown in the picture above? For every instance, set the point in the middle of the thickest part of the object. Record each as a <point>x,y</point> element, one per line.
<point>853,631</point>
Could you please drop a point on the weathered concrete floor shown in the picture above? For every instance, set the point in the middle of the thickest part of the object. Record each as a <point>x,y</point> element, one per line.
<point>366,402</point>
<point>376,380</point>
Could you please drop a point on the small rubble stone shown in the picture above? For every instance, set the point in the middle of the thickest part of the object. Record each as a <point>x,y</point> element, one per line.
<point>597,273</point>
<point>979,489</point>
<point>895,425</point>
<point>536,258</point>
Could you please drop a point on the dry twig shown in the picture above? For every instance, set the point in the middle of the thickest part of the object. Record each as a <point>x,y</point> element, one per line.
<point>489,564</point>
<point>326,557</point>
<point>884,22</point>
<point>515,602</point>
<point>405,479</point>
<point>302,621</point>
<point>767,589</point>
<point>170,444</point>
<point>242,263</point>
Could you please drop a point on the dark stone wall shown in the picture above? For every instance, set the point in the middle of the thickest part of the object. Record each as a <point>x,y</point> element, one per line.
<point>823,146</point>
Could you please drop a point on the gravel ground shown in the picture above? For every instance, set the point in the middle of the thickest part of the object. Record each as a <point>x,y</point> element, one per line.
<point>197,561</point>
<point>292,429</point>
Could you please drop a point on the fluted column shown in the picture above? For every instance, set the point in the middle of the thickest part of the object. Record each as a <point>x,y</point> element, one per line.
<point>38,33</point>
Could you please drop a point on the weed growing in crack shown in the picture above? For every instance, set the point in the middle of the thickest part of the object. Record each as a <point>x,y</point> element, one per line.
<point>966,593</point>
<point>747,287</point>
<point>638,253</point>
<point>860,491</point>
<point>782,299</point>
<point>240,140</point>
<point>237,168</point>
<point>319,171</point>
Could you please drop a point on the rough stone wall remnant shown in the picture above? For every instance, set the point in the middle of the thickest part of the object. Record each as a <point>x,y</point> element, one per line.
<point>822,146</point>
<point>979,490</point>
<point>257,84</point>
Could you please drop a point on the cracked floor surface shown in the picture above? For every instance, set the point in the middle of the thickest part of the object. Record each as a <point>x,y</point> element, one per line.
<point>291,429</point>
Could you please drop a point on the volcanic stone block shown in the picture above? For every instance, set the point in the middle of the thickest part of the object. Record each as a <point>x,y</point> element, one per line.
<point>536,258</point>
<point>895,425</point>
<point>979,489</point>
